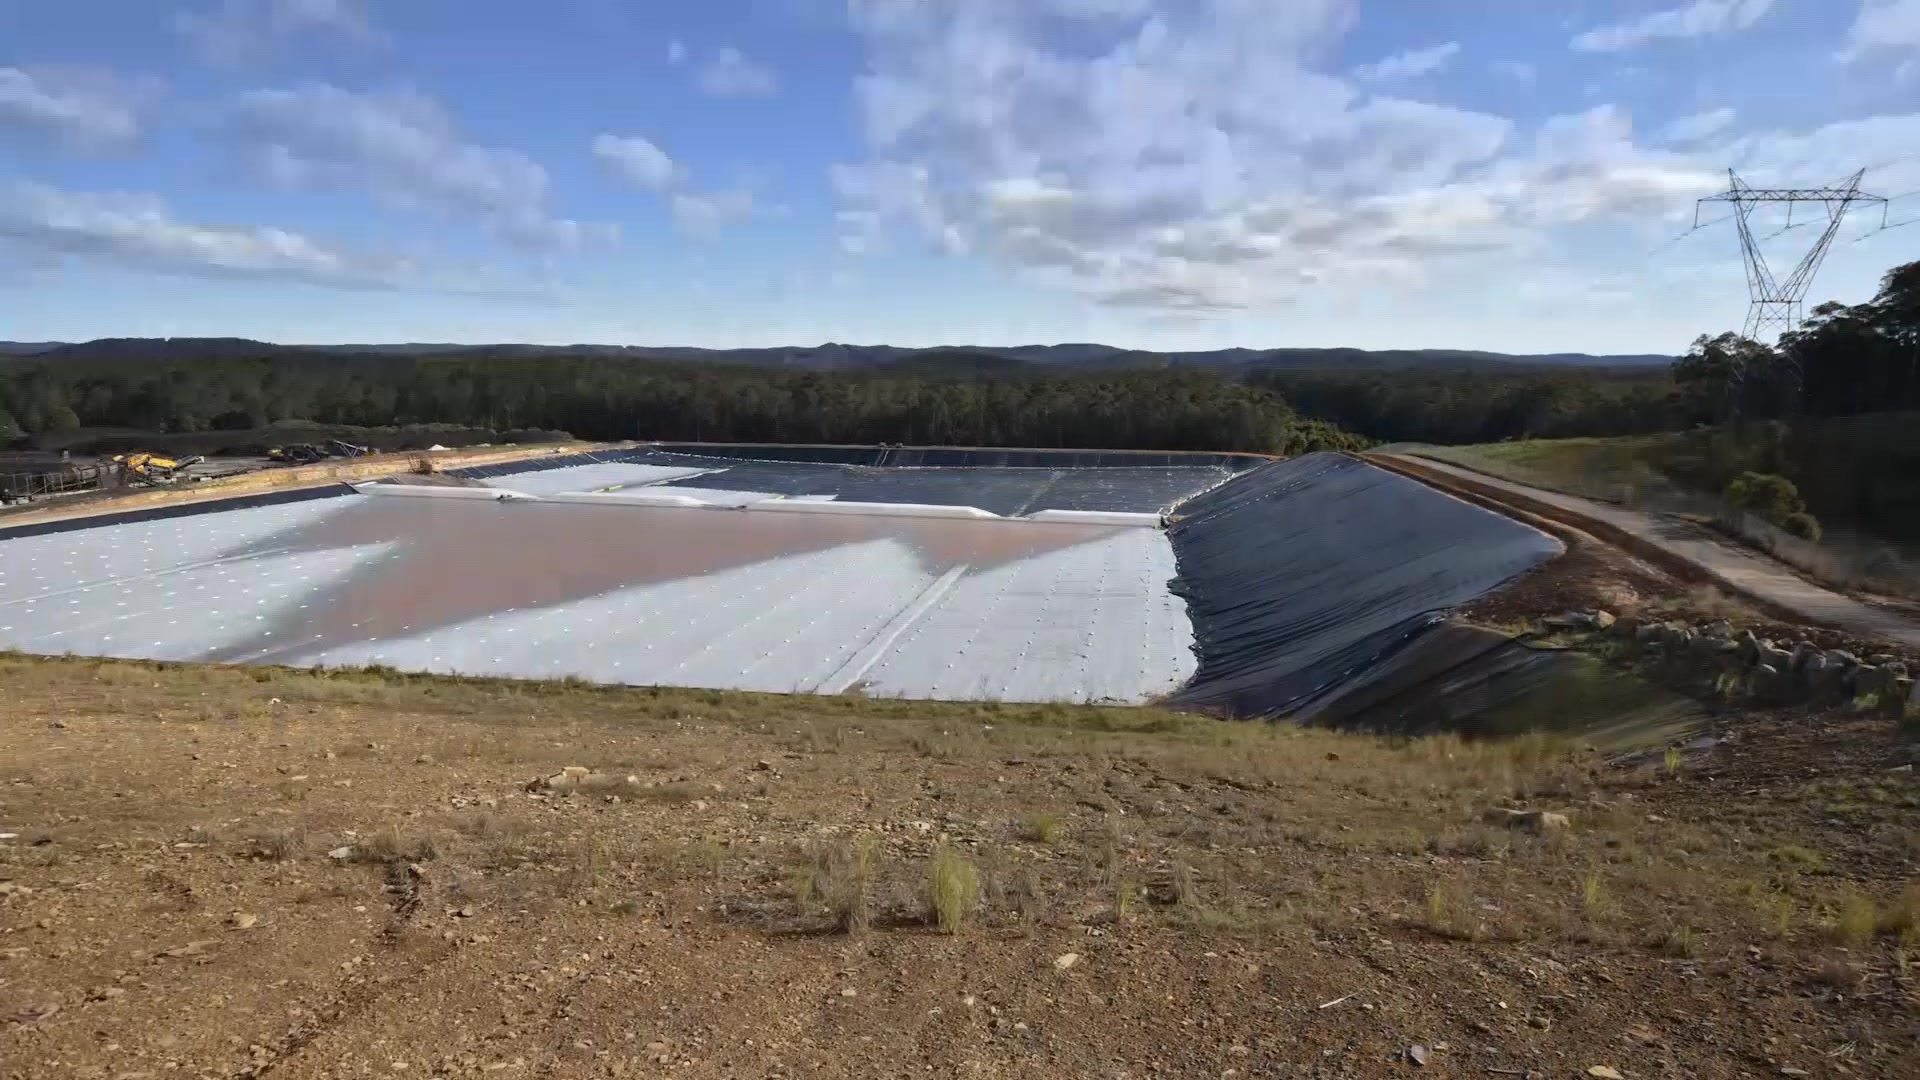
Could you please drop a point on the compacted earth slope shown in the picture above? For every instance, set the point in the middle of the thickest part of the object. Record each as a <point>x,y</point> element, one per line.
<point>221,872</point>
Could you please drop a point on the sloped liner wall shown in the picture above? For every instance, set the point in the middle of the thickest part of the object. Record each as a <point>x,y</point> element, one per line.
<point>1485,684</point>
<point>1301,575</point>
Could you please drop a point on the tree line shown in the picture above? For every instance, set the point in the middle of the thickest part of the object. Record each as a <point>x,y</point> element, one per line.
<point>616,398</point>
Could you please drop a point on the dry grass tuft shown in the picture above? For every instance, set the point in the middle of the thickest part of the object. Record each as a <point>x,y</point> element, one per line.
<point>277,845</point>
<point>953,889</point>
<point>837,876</point>
<point>395,845</point>
<point>1853,923</point>
<point>1042,828</point>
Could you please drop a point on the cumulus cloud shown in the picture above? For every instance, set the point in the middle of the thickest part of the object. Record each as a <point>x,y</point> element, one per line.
<point>246,29</point>
<point>1884,24</point>
<point>1700,18</point>
<point>403,149</point>
<point>1194,160</point>
<point>676,51</point>
<point>731,74</point>
<point>1411,64</point>
<point>636,160</point>
<point>139,230</point>
<point>80,108</point>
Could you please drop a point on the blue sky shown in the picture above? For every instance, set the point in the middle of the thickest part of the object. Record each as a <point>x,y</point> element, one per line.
<point>1154,173</point>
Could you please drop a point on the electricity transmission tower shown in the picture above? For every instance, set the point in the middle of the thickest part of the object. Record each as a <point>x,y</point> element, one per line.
<point>1775,302</point>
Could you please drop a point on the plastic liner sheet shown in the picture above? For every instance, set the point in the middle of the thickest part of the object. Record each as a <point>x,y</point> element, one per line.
<point>1009,491</point>
<point>174,510</point>
<point>1482,683</point>
<point>967,457</point>
<point>1302,574</point>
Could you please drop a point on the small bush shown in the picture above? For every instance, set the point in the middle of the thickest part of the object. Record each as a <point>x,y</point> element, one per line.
<point>953,889</point>
<point>1766,495</point>
<point>1803,525</point>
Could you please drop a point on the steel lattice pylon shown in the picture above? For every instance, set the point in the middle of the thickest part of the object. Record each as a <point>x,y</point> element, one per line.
<point>1775,302</point>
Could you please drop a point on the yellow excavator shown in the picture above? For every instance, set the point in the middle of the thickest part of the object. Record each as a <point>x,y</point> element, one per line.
<point>151,469</point>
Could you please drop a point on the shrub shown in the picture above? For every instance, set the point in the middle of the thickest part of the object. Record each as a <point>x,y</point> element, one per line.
<point>1803,525</point>
<point>1769,496</point>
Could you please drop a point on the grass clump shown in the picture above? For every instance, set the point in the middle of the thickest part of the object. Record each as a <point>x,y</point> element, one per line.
<point>1043,828</point>
<point>1854,923</point>
<point>837,877</point>
<point>393,845</point>
<point>277,845</point>
<point>953,889</point>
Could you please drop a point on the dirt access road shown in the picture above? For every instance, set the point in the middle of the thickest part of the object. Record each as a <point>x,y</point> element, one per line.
<point>1741,571</point>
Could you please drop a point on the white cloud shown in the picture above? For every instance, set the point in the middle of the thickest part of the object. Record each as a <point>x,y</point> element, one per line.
<point>676,51</point>
<point>1697,126</point>
<point>1198,162</point>
<point>82,108</point>
<point>139,230</point>
<point>1700,18</point>
<point>1884,24</point>
<point>704,213</point>
<point>731,74</point>
<point>403,149</point>
<point>246,29</point>
<point>635,160</point>
<point>1411,64</point>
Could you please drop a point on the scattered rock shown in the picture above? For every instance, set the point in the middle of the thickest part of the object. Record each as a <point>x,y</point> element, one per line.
<point>1604,620</point>
<point>849,992</point>
<point>1066,960</point>
<point>242,920</point>
<point>1604,1072</point>
<point>343,852</point>
<point>1417,1054</point>
<point>763,765</point>
<point>1539,821</point>
<point>423,759</point>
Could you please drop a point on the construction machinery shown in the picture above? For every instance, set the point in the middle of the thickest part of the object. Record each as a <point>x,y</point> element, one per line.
<point>310,453</point>
<point>142,467</point>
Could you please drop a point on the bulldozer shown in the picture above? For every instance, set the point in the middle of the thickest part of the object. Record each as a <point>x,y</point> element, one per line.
<point>142,467</point>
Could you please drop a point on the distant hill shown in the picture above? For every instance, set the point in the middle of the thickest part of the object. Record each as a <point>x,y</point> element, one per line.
<point>831,356</point>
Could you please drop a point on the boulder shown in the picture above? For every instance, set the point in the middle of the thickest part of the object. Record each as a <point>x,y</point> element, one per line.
<point>1777,659</point>
<point>1603,620</point>
<point>1722,630</point>
<point>1897,669</point>
<point>1649,634</point>
<point>1802,652</point>
<point>1843,659</point>
<point>1913,693</point>
<point>1772,686</point>
<point>1868,680</point>
<point>1749,646</point>
<point>1625,626</point>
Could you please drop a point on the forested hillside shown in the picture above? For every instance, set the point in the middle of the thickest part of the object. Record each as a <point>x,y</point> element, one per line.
<point>961,400</point>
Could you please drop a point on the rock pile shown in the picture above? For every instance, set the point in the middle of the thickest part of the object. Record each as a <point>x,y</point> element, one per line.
<point>1773,672</point>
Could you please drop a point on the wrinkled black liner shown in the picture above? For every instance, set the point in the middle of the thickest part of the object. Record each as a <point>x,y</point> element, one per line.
<point>1302,575</point>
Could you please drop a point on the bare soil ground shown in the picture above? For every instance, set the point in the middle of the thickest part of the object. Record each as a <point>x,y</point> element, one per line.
<point>244,872</point>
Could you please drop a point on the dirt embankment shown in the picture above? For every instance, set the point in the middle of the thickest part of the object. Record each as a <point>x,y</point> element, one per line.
<point>369,467</point>
<point>237,872</point>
